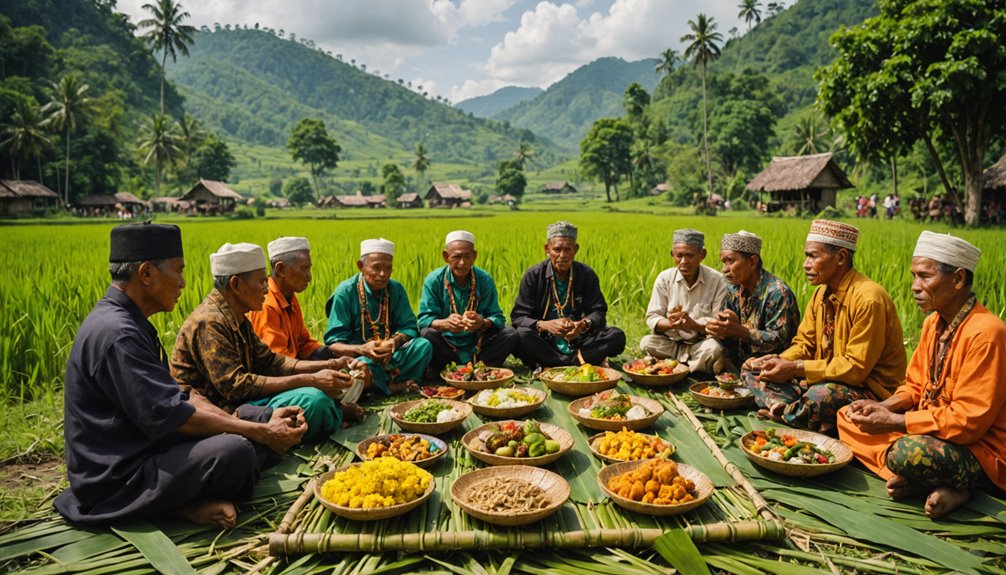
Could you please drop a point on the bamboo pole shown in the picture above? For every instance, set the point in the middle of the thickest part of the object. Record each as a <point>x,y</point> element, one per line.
<point>761,505</point>
<point>298,543</point>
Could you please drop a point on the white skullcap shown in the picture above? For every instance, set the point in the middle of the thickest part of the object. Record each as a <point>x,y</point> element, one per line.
<point>378,246</point>
<point>460,236</point>
<point>233,259</point>
<point>285,245</point>
<point>947,249</point>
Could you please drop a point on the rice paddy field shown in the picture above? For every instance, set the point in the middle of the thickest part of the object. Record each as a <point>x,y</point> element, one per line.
<point>840,523</point>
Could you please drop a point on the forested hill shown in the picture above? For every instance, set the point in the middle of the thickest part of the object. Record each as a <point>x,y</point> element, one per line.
<point>255,87</point>
<point>567,109</point>
<point>491,104</point>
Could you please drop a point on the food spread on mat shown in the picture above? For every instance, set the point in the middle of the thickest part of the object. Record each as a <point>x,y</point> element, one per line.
<point>507,495</point>
<point>477,372</point>
<point>403,447</point>
<point>728,381</point>
<point>656,482</point>
<point>504,398</point>
<point>432,411</point>
<point>517,439</point>
<point>628,445</point>
<point>586,373</point>
<point>442,391</point>
<point>612,406</point>
<point>651,366</point>
<point>383,482</point>
<point>788,449</point>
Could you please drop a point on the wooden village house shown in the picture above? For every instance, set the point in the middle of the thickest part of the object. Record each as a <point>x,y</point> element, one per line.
<point>994,192</point>
<point>357,200</point>
<point>809,183</point>
<point>558,188</point>
<point>121,204</point>
<point>25,198</point>
<point>441,195</point>
<point>211,197</point>
<point>410,200</point>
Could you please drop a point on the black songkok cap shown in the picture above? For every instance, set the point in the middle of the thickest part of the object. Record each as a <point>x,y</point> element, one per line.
<point>145,242</point>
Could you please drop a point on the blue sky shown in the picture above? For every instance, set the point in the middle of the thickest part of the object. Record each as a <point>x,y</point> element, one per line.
<point>464,48</point>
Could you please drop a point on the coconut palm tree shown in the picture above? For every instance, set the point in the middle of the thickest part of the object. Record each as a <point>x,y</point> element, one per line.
<point>24,136</point>
<point>524,154</point>
<point>703,47</point>
<point>161,143</point>
<point>167,33</point>
<point>810,136</point>
<point>668,59</point>
<point>750,10</point>
<point>69,108</point>
<point>420,164</point>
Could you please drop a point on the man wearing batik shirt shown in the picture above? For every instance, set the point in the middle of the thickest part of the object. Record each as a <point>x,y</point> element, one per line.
<point>760,314</point>
<point>848,347</point>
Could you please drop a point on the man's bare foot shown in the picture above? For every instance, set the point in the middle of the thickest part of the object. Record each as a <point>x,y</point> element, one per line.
<point>943,500</point>
<point>209,512</point>
<point>899,488</point>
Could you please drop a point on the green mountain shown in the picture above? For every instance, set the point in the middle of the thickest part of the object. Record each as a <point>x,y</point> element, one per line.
<point>255,86</point>
<point>567,109</point>
<point>489,105</point>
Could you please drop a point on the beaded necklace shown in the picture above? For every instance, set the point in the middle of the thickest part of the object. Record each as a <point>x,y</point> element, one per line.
<point>934,387</point>
<point>473,297</point>
<point>560,308</point>
<point>383,314</point>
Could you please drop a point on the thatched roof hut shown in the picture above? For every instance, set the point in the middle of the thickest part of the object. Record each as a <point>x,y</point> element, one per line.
<point>107,204</point>
<point>994,176</point>
<point>806,182</point>
<point>447,196</point>
<point>410,200</point>
<point>559,188</point>
<point>25,197</point>
<point>210,196</point>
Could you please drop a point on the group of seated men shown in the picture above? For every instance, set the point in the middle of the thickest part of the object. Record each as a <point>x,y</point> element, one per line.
<point>246,381</point>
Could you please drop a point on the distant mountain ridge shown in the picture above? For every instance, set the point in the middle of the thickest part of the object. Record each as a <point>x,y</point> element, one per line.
<point>565,111</point>
<point>503,99</point>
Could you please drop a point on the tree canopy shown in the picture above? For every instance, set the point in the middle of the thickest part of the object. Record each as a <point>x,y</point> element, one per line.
<point>310,143</point>
<point>606,152</point>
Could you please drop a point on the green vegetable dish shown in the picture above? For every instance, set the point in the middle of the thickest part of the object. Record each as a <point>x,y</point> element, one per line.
<point>514,439</point>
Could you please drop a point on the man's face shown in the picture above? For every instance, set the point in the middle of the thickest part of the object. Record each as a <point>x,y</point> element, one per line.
<point>738,268</point>
<point>688,258</point>
<point>821,264</point>
<point>251,288</point>
<point>376,270</point>
<point>297,275</point>
<point>931,287</point>
<point>460,257</point>
<point>561,252</point>
<point>166,286</point>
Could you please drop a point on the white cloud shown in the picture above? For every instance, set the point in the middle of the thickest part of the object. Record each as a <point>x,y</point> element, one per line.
<point>472,88</point>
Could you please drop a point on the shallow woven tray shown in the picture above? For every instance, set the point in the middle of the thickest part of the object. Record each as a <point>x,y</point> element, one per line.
<point>361,449</point>
<point>430,428</point>
<point>654,407</point>
<point>555,487</point>
<point>578,388</point>
<point>479,385</point>
<point>720,402</point>
<point>593,439</point>
<point>372,514</point>
<point>679,375</point>
<point>703,489</point>
<point>843,455</point>
<point>510,412</point>
<point>472,444</point>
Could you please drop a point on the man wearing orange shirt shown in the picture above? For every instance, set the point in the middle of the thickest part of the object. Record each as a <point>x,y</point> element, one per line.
<point>942,433</point>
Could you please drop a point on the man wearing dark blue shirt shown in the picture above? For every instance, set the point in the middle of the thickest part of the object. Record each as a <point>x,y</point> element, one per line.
<point>136,444</point>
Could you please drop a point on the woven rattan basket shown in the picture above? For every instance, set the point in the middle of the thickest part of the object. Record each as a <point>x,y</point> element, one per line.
<point>593,440</point>
<point>510,412</point>
<point>474,445</point>
<point>650,405</point>
<point>370,514</point>
<point>361,449</point>
<point>843,455</point>
<point>679,375</point>
<point>612,377</point>
<point>703,489</point>
<point>555,487</point>
<point>479,385</point>
<point>743,399</point>
<point>430,428</point>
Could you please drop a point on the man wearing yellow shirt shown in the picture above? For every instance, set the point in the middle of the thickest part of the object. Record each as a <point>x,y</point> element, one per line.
<point>848,347</point>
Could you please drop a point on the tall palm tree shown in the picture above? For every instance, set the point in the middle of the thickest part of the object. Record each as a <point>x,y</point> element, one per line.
<point>523,154</point>
<point>668,59</point>
<point>161,142</point>
<point>750,10</point>
<point>70,106</point>
<point>810,136</point>
<point>420,164</point>
<point>24,136</point>
<point>703,47</point>
<point>167,33</point>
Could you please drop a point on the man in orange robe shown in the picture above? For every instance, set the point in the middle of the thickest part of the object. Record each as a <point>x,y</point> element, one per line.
<point>942,433</point>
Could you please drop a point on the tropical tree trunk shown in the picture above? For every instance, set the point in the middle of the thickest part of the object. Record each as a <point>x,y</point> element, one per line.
<point>705,136</point>
<point>894,173</point>
<point>314,180</point>
<point>607,190</point>
<point>164,61</point>
<point>618,197</point>
<point>157,175</point>
<point>66,197</point>
<point>973,184</point>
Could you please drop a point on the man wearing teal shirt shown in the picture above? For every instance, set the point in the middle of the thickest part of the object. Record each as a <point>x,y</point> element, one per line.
<point>462,327</point>
<point>370,318</point>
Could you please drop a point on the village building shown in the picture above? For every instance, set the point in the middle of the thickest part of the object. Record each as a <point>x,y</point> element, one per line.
<point>410,200</point>
<point>808,183</point>
<point>994,192</point>
<point>441,195</point>
<point>121,204</point>
<point>209,197</point>
<point>170,205</point>
<point>659,189</point>
<point>357,200</point>
<point>505,199</point>
<point>559,188</point>
<point>25,198</point>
